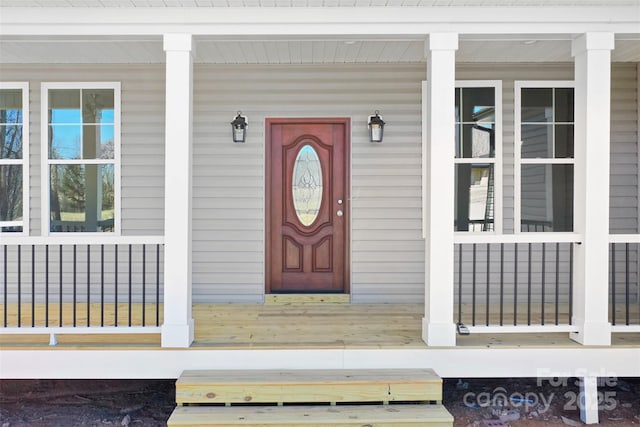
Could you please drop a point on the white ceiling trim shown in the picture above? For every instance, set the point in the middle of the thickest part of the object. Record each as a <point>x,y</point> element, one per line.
<point>291,52</point>
<point>304,21</point>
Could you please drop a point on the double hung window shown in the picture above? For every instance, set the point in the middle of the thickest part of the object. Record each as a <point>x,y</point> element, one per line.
<point>478,152</point>
<point>82,152</point>
<point>544,156</point>
<point>14,157</point>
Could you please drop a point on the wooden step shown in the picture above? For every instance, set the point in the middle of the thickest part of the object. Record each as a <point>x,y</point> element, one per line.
<point>308,386</point>
<point>295,299</point>
<point>313,416</point>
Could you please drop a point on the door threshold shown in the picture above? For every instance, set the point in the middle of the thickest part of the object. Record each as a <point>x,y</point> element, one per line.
<point>284,299</point>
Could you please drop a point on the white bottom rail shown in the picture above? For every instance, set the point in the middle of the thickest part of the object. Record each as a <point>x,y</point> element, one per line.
<point>521,329</point>
<point>95,330</point>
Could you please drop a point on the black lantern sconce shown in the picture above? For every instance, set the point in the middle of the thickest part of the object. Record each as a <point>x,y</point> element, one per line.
<point>239,127</point>
<point>376,128</point>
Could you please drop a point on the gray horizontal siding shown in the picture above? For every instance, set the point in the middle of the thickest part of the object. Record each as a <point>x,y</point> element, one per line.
<point>624,149</point>
<point>142,136</point>
<point>229,178</point>
<point>387,250</point>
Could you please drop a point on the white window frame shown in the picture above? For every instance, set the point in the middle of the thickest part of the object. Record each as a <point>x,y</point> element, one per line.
<point>24,161</point>
<point>46,162</point>
<point>496,160</point>
<point>517,159</point>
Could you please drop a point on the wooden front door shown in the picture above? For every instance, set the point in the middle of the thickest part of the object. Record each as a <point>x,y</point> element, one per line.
<point>307,205</point>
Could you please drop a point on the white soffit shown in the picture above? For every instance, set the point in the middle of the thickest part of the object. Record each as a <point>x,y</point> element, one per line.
<point>149,51</point>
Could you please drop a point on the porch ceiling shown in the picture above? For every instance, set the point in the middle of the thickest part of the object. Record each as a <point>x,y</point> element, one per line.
<point>148,50</point>
<point>309,31</point>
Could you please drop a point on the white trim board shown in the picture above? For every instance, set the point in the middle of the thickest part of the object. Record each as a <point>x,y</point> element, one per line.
<point>279,21</point>
<point>447,362</point>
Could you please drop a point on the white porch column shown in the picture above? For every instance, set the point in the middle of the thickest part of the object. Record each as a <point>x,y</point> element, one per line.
<point>178,330</point>
<point>592,53</point>
<point>438,328</point>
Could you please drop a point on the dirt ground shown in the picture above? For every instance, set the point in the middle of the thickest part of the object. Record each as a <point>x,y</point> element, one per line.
<point>473,403</point>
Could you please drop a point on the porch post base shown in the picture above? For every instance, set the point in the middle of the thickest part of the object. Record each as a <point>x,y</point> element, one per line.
<point>589,404</point>
<point>438,334</point>
<point>177,336</point>
<point>593,334</point>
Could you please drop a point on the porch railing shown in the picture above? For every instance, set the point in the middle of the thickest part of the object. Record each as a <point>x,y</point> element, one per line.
<point>81,284</point>
<point>624,282</point>
<point>514,283</point>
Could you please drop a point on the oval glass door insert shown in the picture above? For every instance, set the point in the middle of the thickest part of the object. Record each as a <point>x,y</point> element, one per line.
<point>307,185</point>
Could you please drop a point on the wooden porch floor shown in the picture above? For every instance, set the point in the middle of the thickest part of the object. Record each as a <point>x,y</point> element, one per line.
<point>264,326</point>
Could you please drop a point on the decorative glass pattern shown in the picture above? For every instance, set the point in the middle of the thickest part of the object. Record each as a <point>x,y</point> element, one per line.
<point>307,185</point>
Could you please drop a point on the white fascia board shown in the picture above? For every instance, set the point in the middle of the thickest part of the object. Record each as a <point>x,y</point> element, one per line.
<point>575,361</point>
<point>278,21</point>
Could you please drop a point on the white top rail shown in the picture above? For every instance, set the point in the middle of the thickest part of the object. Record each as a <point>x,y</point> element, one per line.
<point>518,238</point>
<point>624,238</point>
<point>79,239</point>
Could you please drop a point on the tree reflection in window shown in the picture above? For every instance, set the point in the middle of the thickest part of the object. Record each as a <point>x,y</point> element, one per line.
<point>11,160</point>
<point>82,159</point>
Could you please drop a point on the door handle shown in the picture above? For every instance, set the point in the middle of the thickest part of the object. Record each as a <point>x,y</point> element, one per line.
<point>339,213</point>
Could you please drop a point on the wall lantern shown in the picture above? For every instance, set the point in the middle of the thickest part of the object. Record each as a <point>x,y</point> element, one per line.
<point>239,127</point>
<point>376,127</point>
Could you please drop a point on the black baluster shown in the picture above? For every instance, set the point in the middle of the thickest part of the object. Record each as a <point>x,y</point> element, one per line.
<point>515,285</point>
<point>130,284</point>
<point>157,285</point>
<point>488,280</point>
<point>46,286</point>
<point>115,284</point>
<point>501,284</point>
<point>570,283</point>
<point>6,283</point>
<point>19,285</point>
<point>460,284</point>
<point>88,285</point>
<point>144,284</point>
<point>543,283</point>
<point>473,287</point>
<point>613,284</point>
<point>75,286</point>
<point>33,286</point>
<point>529,286</point>
<point>627,283</point>
<point>102,285</point>
<point>557,283</point>
<point>61,281</point>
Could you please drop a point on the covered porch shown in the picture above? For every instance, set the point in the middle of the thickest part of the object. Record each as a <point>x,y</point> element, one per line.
<point>185,66</point>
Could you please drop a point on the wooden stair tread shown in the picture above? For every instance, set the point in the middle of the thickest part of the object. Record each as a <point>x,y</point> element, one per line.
<point>317,416</point>
<point>300,376</point>
<point>307,386</point>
